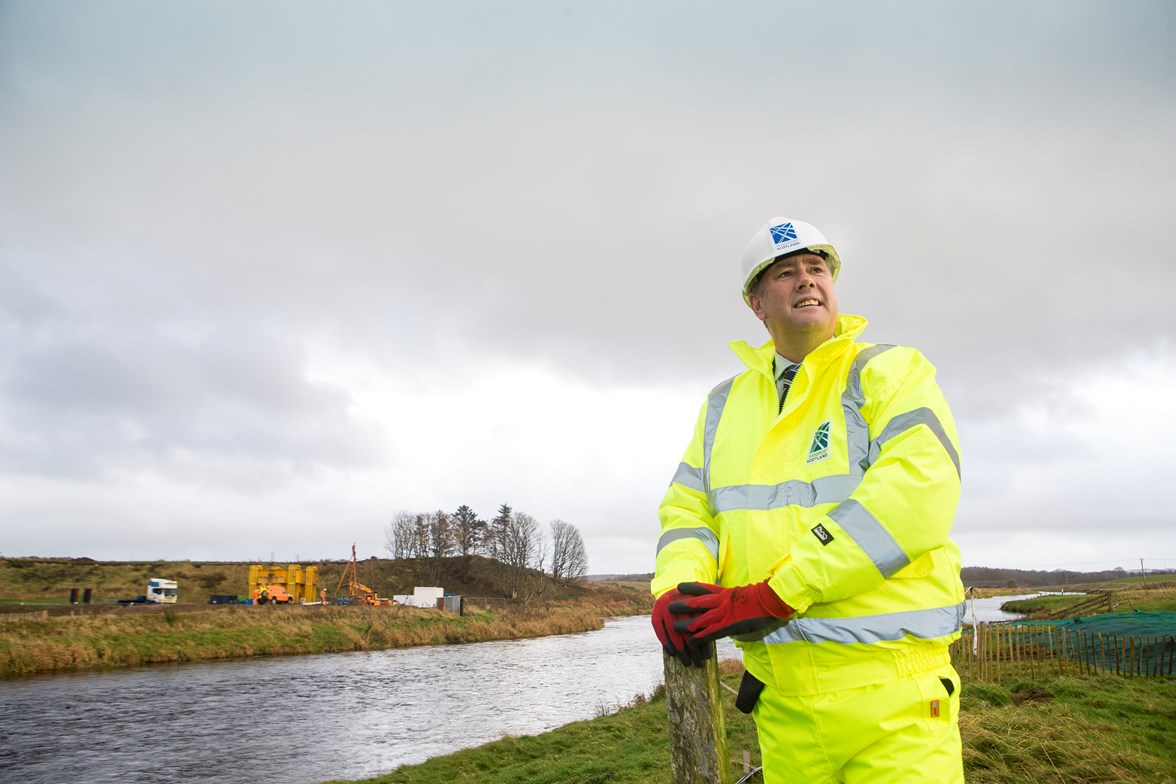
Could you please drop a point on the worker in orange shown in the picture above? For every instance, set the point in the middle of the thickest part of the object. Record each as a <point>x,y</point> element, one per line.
<point>810,520</point>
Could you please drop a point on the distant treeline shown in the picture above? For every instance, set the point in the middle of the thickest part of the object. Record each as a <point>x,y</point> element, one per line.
<point>988,577</point>
<point>621,578</point>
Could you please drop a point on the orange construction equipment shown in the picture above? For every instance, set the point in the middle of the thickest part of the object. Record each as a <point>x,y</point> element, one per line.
<point>276,594</point>
<point>357,592</point>
<point>283,583</point>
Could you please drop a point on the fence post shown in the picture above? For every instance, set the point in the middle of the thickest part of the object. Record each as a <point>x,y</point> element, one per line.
<point>982,655</point>
<point>1033,649</point>
<point>698,735</point>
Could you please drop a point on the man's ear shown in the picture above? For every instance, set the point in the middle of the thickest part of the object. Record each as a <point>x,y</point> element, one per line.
<point>753,302</point>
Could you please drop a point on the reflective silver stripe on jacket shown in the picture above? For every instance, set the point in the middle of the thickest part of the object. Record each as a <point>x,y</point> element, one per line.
<point>689,476</point>
<point>704,535</point>
<point>904,422</point>
<point>795,492</point>
<point>924,624</point>
<point>716,402</point>
<point>857,432</point>
<point>870,535</point>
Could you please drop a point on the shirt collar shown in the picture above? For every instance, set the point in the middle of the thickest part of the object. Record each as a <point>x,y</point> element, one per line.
<point>782,364</point>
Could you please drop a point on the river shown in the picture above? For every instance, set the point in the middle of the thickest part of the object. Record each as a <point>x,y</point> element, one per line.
<point>306,719</point>
<point>988,610</point>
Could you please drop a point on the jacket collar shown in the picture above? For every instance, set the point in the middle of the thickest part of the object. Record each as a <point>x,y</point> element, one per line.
<point>761,359</point>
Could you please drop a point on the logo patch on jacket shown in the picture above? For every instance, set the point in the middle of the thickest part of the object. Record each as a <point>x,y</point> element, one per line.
<point>822,534</point>
<point>819,448</point>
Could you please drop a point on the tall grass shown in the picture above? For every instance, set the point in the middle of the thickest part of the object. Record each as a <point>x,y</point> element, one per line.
<point>142,636</point>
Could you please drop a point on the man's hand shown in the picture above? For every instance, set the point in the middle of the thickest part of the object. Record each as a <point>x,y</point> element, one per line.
<point>707,612</point>
<point>673,641</point>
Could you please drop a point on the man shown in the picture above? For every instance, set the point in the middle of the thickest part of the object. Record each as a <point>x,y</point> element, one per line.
<point>810,520</point>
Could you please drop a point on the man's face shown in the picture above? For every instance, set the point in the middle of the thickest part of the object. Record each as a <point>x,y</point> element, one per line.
<point>795,296</point>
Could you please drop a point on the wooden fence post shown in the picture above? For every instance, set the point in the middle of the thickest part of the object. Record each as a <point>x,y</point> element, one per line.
<point>698,734</point>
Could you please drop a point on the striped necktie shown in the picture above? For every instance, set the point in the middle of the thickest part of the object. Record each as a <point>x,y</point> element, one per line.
<point>784,382</point>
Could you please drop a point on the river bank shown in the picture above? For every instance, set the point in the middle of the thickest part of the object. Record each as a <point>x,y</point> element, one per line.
<point>1095,730</point>
<point>38,642</point>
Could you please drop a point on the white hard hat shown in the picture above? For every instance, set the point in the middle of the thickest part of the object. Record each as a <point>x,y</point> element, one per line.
<point>779,237</point>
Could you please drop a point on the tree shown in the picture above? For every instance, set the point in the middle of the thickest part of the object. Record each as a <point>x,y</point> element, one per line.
<point>515,542</point>
<point>495,544</point>
<point>398,538</point>
<point>569,559</point>
<point>421,531</point>
<point>440,544</point>
<point>440,535</point>
<point>422,540</point>
<point>468,533</point>
<point>524,550</point>
<point>498,533</point>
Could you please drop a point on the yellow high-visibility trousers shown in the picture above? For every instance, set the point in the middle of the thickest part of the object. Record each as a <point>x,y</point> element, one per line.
<point>899,732</point>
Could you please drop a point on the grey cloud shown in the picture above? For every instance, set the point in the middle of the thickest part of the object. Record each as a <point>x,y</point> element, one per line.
<point>90,400</point>
<point>195,193</point>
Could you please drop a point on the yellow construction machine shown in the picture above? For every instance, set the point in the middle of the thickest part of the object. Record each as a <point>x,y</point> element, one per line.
<point>357,592</point>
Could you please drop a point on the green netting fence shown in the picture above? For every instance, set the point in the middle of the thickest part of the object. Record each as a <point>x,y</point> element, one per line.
<point>1131,644</point>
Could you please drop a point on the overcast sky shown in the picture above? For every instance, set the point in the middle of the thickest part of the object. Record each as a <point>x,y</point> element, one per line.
<point>272,272</point>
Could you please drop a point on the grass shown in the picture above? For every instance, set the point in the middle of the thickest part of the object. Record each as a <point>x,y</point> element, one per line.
<point>55,636</point>
<point>36,642</point>
<point>1122,598</point>
<point>1079,730</point>
<point>49,580</point>
<point>1066,731</point>
<point>1042,603</point>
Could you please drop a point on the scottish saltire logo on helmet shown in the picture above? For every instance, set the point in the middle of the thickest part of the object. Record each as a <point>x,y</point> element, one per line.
<point>819,448</point>
<point>783,233</point>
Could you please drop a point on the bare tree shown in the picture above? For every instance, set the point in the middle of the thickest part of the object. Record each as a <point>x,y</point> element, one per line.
<point>398,538</point>
<point>440,535</point>
<point>421,532</point>
<point>569,559</point>
<point>513,540</point>
<point>525,551</point>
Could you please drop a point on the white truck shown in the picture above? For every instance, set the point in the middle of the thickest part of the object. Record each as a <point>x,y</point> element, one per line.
<point>159,591</point>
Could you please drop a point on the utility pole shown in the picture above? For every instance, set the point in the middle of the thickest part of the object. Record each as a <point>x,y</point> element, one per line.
<point>1142,573</point>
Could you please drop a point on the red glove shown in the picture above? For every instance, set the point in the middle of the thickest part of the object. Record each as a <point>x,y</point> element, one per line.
<point>709,612</point>
<point>673,641</point>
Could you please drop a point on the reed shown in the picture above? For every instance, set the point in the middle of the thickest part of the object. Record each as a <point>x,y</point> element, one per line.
<point>138,635</point>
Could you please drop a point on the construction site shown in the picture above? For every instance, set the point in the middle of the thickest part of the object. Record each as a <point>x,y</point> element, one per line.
<point>85,585</point>
<point>294,584</point>
<point>350,582</point>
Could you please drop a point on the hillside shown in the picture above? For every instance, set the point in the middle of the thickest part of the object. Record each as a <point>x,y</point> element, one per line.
<point>50,580</point>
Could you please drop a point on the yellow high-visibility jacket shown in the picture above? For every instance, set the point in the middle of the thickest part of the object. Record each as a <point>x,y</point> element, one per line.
<point>843,500</point>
